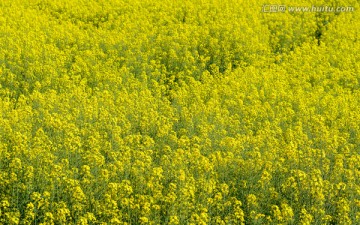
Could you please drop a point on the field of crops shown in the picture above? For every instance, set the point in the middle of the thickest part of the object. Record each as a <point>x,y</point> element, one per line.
<point>178,112</point>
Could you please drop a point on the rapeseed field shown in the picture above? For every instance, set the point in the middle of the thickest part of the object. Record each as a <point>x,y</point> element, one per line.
<point>179,112</point>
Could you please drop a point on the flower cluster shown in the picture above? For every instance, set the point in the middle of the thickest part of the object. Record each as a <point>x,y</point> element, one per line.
<point>178,112</point>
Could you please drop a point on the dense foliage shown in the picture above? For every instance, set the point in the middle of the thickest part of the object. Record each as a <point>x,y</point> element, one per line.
<point>178,112</point>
